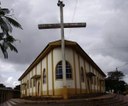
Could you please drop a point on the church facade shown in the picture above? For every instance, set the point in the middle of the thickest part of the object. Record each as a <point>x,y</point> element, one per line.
<point>44,77</point>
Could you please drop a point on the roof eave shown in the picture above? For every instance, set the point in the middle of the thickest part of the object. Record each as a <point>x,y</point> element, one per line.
<point>55,44</point>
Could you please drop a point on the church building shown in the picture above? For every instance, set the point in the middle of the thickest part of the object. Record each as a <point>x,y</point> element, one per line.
<point>44,77</point>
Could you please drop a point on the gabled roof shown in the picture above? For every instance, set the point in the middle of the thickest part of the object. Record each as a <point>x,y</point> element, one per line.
<point>55,44</point>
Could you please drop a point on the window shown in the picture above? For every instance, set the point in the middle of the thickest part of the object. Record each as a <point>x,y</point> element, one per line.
<point>82,74</point>
<point>94,80</point>
<point>23,87</point>
<point>27,83</point>
<point>68,71</point>
<point>59,73</point>
<point>34,82</point>
<point>44,76</point>
<point>30,83</point>
<point>98,81</point>
<point>91,80</point>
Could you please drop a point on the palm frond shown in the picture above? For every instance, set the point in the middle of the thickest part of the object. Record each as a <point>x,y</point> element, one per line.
<point>13,22</point>
<point>4,51</point>
<point>5,25</point>
<point>5,10</point>
<point>12,48</point>
<point>10,39</point>
<point>1,36</point>
<point>5,44</point>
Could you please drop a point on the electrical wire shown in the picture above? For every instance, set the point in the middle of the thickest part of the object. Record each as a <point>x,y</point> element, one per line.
<point>74,13</point>
<point>106,48</point>
<point>75,8</point>
<point>122,65</point>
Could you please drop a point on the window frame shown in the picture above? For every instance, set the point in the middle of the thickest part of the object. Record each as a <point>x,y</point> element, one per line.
<point>27,84</point>
<point>82,76</point>
<point>30,83</point>
<point>69,69</point>
<point>44,76</point>
<point>34,82</point>
<point>59,74</point>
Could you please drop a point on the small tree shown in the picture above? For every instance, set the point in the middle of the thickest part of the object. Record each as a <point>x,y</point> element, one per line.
<point>115,75</point>
<point>2,86</point>
<point>17,87</point>
<point>114,81</point>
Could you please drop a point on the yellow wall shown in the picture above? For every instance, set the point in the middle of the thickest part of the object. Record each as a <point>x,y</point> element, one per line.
<point>55,87</point>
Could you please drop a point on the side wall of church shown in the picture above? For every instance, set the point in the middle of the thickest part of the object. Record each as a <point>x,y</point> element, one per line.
<point>79,83</point>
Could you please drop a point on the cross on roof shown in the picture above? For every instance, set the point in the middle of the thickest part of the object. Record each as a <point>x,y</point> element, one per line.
<point>62,25</point>
<point>58,25</point>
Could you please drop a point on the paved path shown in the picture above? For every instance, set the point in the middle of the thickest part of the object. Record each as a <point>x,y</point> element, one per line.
<point>13,102</point>
<point>75,102</point>
<point>22,102</point>
<point>71,102</point>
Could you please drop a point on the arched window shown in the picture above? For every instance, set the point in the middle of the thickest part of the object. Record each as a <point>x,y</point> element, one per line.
<point>44,76</point>
<point>59,70</point>
<point>68,71</point>
<point>82,74</point>
<point>59,73</point>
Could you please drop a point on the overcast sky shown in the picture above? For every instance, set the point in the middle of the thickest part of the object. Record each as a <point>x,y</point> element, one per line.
<point>105,38</point>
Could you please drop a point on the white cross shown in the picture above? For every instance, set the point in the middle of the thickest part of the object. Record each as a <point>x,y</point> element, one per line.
<point>62,25</point>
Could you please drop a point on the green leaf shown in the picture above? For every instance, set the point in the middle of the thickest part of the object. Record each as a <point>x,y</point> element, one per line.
<point>4,51</point>
<point>10,38</point>
<point>12,48</point>
<point>13,22</point>
<point>5,26</point>
<point>4,11</point>
<point>1,36</point>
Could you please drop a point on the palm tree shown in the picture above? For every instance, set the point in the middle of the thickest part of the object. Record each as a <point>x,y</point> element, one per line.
<point>6,24</point>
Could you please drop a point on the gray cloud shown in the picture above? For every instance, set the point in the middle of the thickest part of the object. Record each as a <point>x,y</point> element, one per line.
<point>32,39</point>
<point>113,42</point>
<point>104,38</point>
